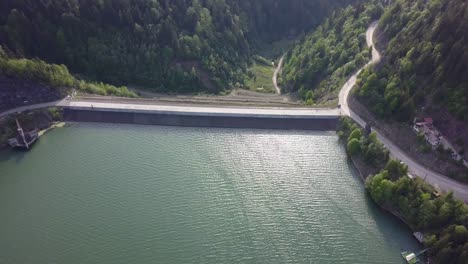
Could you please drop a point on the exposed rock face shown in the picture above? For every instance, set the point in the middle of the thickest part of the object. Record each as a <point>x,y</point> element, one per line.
<point>18,92</point>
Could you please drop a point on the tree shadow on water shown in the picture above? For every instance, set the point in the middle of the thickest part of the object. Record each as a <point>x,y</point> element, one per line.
<point>390,226</point>
<point>12,154</point>
<point>395,232</point>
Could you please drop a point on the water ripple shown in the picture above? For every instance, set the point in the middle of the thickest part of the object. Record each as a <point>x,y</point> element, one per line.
<point>94,193</point>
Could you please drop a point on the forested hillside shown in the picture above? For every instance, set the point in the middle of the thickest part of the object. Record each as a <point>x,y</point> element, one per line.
<point>272,20</point>
<point>177,46</point>
<point>24,81</point>
<point>426,60</point>
<point>319,65</point>
<point>441,218</point>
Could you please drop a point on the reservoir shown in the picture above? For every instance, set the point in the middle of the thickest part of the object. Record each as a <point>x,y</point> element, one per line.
<point>109,193</point>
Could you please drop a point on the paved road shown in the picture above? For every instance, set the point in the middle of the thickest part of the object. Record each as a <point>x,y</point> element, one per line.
<point>33,107</point>
<point>348,86</point>
<point>123,105</point>
<point>445,183</point>
<point>275,75</point>
<point>207,110</point>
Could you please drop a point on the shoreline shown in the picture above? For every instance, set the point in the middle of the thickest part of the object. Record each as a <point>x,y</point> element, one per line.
<point>384,209</point>
<point>363,178</point>
<point>54,125</point>
<point>42,120</point>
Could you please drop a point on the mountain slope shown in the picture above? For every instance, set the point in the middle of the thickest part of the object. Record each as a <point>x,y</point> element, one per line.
<point>172,46</point>
<point>425,61</point>
<point>24,82</point>
<point>145,42</point>
<point>319,65</point>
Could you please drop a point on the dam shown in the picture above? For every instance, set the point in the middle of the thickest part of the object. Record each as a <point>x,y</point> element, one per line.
<point>202,116</point>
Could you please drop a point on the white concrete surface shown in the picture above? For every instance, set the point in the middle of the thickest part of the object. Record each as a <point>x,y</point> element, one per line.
<point>207,110</point>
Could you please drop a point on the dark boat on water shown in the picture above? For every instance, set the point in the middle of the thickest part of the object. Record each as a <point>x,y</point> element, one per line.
<point>23,140</point>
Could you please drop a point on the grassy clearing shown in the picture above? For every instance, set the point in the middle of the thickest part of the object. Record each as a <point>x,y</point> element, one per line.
<point>260,79</point>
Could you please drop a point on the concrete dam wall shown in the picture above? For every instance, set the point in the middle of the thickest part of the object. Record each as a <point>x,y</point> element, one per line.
<point>193,119</point>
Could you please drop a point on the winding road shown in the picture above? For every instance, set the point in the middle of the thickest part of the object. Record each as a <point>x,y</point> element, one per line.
<point>276,73</point>
<point>33,107</point>
<point>444,183</point>
<point>348,86</point>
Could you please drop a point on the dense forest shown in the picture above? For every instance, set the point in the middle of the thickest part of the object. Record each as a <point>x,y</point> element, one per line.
<point>273,20</point>
<point>319,65</point>
<point>175,46</point>
<point>442,219</point>
<point>426,60</point>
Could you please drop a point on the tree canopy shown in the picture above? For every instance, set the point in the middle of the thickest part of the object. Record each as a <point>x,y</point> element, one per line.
<point>54,76</point>
<point>440,217</point>
<point>171,46</point>
<point>425,60</point>
<point>319,65</point>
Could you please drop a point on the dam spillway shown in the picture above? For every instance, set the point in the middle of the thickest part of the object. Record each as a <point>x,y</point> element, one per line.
<point>202,116</point>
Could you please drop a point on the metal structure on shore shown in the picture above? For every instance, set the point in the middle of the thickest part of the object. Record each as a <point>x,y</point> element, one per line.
<point>23,140</point>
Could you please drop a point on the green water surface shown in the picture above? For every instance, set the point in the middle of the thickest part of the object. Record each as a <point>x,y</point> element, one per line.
<point>99,193</point>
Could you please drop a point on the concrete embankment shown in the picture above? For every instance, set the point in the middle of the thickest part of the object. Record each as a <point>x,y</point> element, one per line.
<point>194,119</point>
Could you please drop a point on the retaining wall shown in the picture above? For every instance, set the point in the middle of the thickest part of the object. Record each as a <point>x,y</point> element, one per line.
<point>320,123</point>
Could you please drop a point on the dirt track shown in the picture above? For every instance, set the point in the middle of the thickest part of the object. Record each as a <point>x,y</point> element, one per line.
<point>275,75</point>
